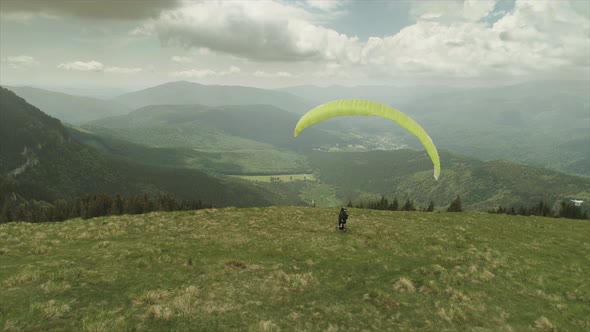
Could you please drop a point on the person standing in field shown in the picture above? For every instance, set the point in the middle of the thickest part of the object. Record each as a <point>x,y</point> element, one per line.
<point>342,217</point>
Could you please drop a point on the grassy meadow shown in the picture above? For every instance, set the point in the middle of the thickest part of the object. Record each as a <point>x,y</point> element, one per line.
<point>288,268</point>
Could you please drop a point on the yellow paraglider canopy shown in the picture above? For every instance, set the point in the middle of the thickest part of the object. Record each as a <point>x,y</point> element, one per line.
<point>345,107</point>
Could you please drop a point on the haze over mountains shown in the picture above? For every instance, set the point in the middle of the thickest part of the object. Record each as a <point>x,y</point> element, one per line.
<point>544,123</point>
<point>245,139</point>
<point>70,108</point>
<point>249,139</point>
<point>188,93</point>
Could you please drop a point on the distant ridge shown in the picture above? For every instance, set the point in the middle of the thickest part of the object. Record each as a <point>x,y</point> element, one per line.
<point>69,108</point>
<point>187,93</point>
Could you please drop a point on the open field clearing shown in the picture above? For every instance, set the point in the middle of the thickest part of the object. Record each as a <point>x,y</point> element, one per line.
<point>287,268</point>
<point>278,177</point>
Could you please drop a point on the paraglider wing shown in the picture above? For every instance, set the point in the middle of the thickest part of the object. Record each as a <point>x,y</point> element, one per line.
<point>345,107</point>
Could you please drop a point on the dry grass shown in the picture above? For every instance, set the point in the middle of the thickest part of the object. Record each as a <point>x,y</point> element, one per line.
<point>295,281</point>
<point>404,285</point>
<point>266,326</point>
<point>51,287</point>
<point>23,277</point>
<point>543,324</point>
<point>158,313</point>
<point>52,309</point>
<point>103,323</point>
<point>151,297</point>
<point>11,326</point>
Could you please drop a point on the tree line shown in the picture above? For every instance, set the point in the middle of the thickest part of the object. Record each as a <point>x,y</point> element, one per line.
<point>394,205</point>
<point>561,210</point>
<point>91,206</point>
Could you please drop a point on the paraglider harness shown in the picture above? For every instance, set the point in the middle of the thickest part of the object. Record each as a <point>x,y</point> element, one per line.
<point>342,217</point>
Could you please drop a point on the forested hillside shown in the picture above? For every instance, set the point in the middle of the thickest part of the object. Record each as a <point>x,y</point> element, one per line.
<point>39,160</point>
<point>408,174</point>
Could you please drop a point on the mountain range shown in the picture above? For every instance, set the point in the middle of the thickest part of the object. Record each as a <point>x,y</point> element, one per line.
<point>542,123</point>
<point>188,93</point>
<point>185,150</point>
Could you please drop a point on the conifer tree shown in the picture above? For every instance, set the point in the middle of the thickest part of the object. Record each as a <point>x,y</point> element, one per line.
<point>430,207</point>
<point>394,204</point>
<point>455,205</point>
<point>408,206</point>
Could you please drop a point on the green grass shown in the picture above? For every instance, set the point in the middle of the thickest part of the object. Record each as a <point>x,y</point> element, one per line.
<point>322,194</point>
<point>281,177</point>
<point>287,268</point>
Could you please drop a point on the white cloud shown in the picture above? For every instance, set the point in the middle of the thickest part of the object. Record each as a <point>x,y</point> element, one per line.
<point>261,30</point>
<point>202,73</point>
<point>25,17</point>
<point>231,70</point>
<point>449,10</point>
<point>260,73</point>
<point>20,61</point>
<point>484,40</point>
<point>535,38</point>
<point>82,66</point>
<point>326,5</point>
<point>452,11</point>
<point>448,39</point>
<point>146,29</point>
<point>181,59</point>
<point>123,70</point>
<point>193,73</point>
<point>98,67</point>
<point>474,10</point>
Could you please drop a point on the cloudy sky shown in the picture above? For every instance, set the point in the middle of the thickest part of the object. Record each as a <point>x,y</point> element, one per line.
<point>136,44</point>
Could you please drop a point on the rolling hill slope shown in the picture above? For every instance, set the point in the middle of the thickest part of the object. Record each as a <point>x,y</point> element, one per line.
<point>244,139</point>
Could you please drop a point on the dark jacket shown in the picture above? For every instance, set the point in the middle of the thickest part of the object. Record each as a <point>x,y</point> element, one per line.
<point>343,215</point>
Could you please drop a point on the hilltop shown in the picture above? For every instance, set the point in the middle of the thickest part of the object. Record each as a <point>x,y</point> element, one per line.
<point>287,268</point>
